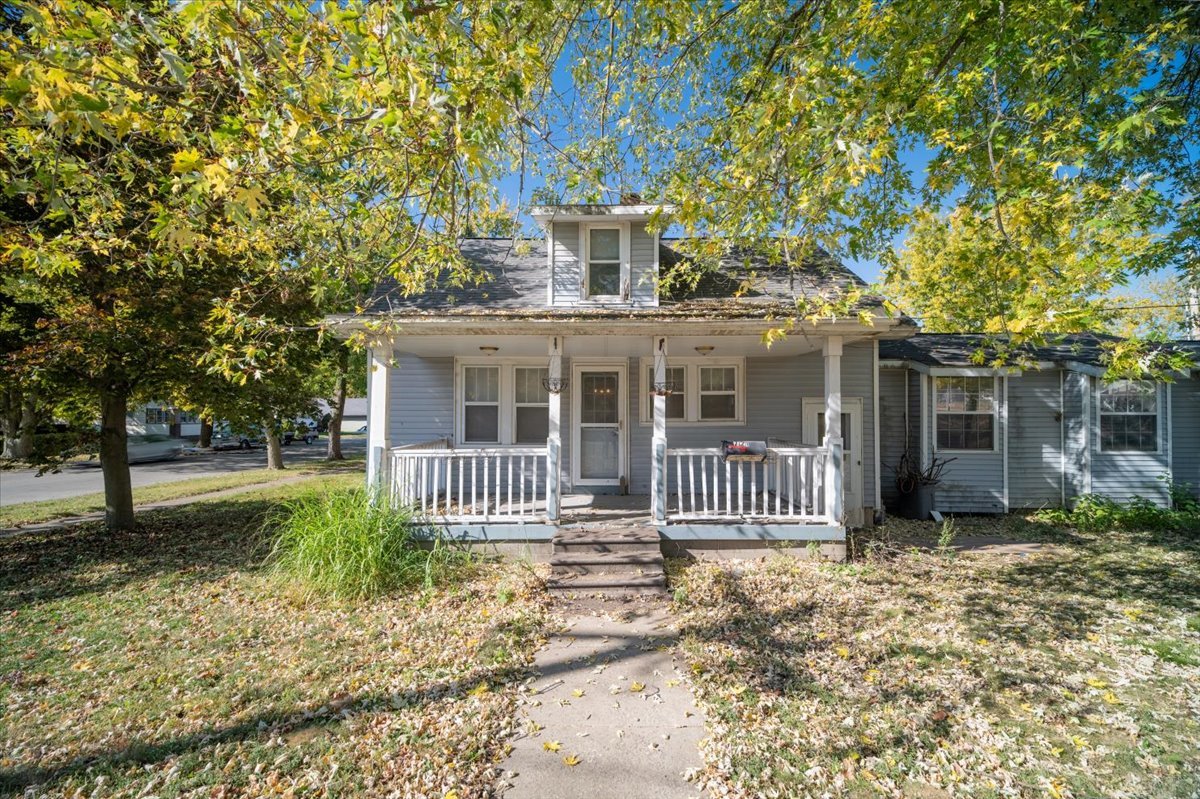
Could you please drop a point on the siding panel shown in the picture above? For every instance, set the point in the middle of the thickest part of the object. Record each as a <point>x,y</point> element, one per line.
<point>893,420</point>
<point>1185,441</point>
<point>642,258</point>
<point>974,481</point>
<point>1034,440</point>
<point>1125,475</point>
<point>568,260</point>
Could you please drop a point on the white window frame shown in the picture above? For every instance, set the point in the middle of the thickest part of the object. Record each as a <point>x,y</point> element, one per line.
<point>507,414</point>
<point>162,414</point>
<point>691,391</point>
<point>1100,385</point>
<point>462,404</point>
<point>516,405</point>
<point>623,287</point>
<point>994,413</point>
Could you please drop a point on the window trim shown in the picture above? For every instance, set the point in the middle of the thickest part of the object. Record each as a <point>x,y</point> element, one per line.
<point>1101,384</point>
<point>507,413</point>
<point>518,405</point>
<point>995,414</point>
<point>585,231</point>
<point>691,391</point>
<point>463,404</point>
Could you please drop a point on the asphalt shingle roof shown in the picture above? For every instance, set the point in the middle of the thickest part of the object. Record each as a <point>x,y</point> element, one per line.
<point>516,280</point>
<point>963,349</point>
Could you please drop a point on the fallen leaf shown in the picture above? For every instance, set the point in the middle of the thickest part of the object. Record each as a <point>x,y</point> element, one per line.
<point>636,687</point>
<point>552,746</point>
<point>572,760</point>
<point>578,692</point>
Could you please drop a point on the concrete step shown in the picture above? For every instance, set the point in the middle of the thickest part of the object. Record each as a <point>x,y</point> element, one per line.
<point>609,584</point>
<point>607,563</point>
<point>627,539</point>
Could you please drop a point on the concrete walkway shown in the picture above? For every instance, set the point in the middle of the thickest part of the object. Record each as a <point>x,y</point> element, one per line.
<point>608,695</point>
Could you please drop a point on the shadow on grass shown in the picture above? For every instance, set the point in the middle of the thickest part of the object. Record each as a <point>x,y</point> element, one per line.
<point>199,542</point>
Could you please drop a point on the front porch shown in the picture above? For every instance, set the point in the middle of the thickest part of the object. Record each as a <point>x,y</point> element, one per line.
<point>620,432</point>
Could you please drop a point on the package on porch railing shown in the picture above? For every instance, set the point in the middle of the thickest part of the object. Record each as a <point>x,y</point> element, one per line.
<point>748,451</point>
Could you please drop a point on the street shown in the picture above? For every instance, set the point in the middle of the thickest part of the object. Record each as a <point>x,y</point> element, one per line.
<point>78,479</point>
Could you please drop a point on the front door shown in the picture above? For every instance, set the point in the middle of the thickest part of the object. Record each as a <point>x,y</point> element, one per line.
<point>852,466</point>
<point>599,429</point>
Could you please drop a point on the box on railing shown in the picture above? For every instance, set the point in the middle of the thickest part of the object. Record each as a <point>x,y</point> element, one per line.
<point>744,451</point>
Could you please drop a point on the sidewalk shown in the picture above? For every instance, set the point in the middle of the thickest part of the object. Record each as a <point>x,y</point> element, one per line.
<point>609,700</point>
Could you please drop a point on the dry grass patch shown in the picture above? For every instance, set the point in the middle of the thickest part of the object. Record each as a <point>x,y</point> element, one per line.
<point>169,662</point>
<point>1066,674</point>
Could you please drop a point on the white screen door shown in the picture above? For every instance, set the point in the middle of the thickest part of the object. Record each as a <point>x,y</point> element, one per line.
<point>599,425</point>
<point>852,465</point>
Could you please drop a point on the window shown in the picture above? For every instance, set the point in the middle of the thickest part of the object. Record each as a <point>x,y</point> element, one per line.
<point>604,262</point>
<point>1129,416</point>
<point>965,411</point>
<point>481,404</point>
<point>158,415</point>
<point>704,391</point>
<point>186,417</point>
<point>677,399</point>
<point>531,403</point>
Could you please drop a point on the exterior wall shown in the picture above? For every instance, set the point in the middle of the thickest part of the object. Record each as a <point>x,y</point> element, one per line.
<point>974,481</point>
<point>893,427</point>
<point>1035,440</point>
<point>1075,388</point>
<point>567,269</point>
<point>643,257</point>
<point>1125,475</point>
<point>422,399</point>
<point>1185,433</point>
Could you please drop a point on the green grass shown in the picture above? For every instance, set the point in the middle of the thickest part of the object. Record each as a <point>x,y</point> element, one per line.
<point>47,510</point>
<point>338,544</point>
<point>170,661</point>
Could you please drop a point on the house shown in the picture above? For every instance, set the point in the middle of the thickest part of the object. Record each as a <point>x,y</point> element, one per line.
<point>354,413</point>
<point>158,418</point>
<point>570,375</point>
<point>1041,432</point>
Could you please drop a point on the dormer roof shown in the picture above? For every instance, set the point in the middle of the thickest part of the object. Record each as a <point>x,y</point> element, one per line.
<point>594,212</point>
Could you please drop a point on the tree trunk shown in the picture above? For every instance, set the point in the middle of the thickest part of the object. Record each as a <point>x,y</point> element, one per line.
<point>206,430</point>
<point>28,427</point>
<point>10,420</point>
<point>274,448</point>
<point>334,453</point>
<point>114,462</point>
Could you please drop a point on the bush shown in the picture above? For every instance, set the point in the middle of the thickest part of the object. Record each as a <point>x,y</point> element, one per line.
<point>337,543</point>
<point>1097,514</point>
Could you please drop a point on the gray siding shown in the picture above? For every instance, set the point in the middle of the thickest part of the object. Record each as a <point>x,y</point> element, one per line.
<point>568,262</point>
<point>974,481</point>
<point>1035,440</point>
<point>893,424</point>
<point>422,399</point>
<point>643,276</point>
<point>1185,430</point>
<point>1125,475</point>
<point>1075,387</point>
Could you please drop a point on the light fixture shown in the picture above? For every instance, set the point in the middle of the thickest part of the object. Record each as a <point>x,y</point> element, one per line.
<point>553,385</point>
<point>705,349</point>
<point>488,349</point>
<point>664,388</point>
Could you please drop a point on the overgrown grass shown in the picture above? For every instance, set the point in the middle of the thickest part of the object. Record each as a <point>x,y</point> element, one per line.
<point>23,513</point>
<point>341,545</point>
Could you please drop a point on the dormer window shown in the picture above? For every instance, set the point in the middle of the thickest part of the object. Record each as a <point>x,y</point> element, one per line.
<point>604,276</point>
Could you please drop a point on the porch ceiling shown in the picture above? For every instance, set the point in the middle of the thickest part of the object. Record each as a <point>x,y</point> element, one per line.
<point>599,346</point>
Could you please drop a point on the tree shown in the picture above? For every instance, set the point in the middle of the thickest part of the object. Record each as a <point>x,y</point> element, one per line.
<point>180,160</point>
<point>1049,129</point>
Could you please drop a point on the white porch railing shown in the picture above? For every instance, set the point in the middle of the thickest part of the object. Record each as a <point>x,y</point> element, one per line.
<point>788,486</point>
<point>505,484</point>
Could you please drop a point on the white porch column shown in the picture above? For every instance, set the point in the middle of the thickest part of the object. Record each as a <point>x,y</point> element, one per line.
<point>554,438</point>
<point>658,472</point>
<point>379,402</point>
<point>834,487</point>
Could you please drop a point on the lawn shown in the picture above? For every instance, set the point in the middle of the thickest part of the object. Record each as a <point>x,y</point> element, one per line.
<point>47,510</point>
<point>1074,673</point>
<point>170,662</point>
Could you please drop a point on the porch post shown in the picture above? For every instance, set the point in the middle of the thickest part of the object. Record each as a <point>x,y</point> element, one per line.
<point>658,473</point>
<point>834,487</point>
<point>554,439</point>
<point>379,401</point>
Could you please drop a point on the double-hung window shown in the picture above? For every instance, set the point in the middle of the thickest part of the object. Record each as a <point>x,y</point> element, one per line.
<point>604,272</point>
<point>481,404</point>
<point>702,392</point>
<point>1129,416</point>
<point>531,405</point>
<point>158,415</point>
<point>965,408</point>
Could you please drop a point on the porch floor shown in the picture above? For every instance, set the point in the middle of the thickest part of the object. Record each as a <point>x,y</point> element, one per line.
<point>606,509</point>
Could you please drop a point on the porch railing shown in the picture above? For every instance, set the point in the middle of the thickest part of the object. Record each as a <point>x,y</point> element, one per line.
<point>788,486</point>
<point>505,484</point>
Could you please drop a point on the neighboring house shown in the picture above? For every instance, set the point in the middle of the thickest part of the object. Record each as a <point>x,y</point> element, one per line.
<point>354,413</point>
<point>157,418</point>
<point>1040,433</point>
<point>568,373</point>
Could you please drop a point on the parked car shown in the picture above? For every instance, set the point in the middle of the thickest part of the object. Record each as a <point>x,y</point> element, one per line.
<point>227,440</point>
<point>362,429</point>
<point>302,433</point>
<point>150,448</point>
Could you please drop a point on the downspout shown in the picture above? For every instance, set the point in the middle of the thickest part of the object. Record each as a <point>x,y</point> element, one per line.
<point>875,416</point>
<point>1062,438</point>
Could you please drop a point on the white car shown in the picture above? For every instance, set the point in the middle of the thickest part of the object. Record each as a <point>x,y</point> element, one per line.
<point>146,449</point>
